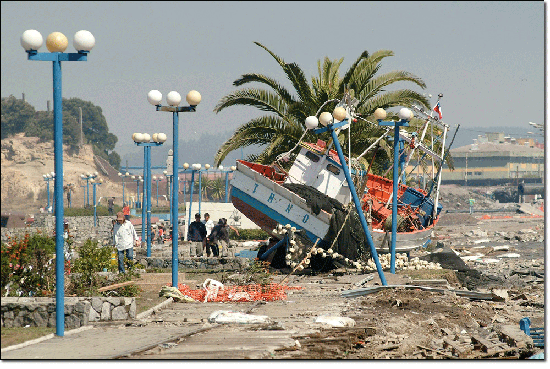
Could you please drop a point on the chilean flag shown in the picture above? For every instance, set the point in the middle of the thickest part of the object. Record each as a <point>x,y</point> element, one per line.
<point>437,109</point>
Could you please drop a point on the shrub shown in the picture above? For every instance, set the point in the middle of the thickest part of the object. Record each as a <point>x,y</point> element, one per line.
<point>248,234</point>
<point>92,259</point>
<point>28,266</point>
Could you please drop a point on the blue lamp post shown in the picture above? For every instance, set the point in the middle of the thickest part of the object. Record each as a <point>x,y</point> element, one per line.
<point>169,192</point>
<point>157,179</point>
<point>227,171</point>
<point>173,99</point>
<point>138,179</point>
<point>405,115</point>
<point>143,139</point>
<point>94,184</point>
<point>326,119</point>
<point>195,168</point>
<point>48,177</point>
<point>123,176</point>
<point>57,43</point>
<point>206,167</point>
<point>88,177</point>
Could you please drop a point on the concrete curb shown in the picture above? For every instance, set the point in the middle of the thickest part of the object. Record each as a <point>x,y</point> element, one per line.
<point>154,309</point>
<point>44,338</point>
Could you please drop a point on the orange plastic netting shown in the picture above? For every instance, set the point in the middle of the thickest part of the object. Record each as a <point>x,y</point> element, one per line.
<point>253,292</point>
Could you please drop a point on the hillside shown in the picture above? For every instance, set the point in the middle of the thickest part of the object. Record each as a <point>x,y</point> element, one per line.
<point>24,160</point>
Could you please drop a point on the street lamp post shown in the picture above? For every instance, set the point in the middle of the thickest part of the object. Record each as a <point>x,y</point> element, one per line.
<point>157,179</point>
<point>206,167</point>
<point>123,176</point>
<point>143,139</point>
<point>57,43</point>
<point>326,119</point>
<point>47,178</point>
<point>405,115</point>
<point>195,168</point>
<point>173,99</point>
<point>227,171</point>
<point>169,180</point>
<point>94,184</point>
<point>88,177</point>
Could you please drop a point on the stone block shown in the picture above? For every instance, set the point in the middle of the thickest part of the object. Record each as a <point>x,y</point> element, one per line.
<point>82,307</point>
<point>72,321</point>
<point>106,311</point>
<point>8,323</point>
<point>68,308</point>
<point>115,301</point>
<point>94,316</point>
<point>8,315</point>
<point>51,320</point>
<point>119,313</point>
<point>96,303</point>
<point>39,319</point>
<point>133,308</point>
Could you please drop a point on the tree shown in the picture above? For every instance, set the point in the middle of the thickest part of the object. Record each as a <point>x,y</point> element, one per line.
<point>281,129</point>
<point>16,115</point>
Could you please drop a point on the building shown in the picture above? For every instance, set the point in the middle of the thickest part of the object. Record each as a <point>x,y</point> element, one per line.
<point>489,163</point>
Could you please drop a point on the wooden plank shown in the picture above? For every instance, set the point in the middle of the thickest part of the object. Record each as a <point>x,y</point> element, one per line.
<point>486,346</point>
<point>115,286</point>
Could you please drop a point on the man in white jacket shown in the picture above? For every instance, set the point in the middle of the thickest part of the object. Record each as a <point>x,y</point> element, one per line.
<point>125,237</point>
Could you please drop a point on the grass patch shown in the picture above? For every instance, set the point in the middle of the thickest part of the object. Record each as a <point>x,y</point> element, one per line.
<point>14,336</point>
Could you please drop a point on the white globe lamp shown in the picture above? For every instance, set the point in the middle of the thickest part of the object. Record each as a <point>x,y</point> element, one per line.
<point>404,114</point>
<point>154,97</point>
<point>173,98</point>
<point>312,122</point>
<point>31,40</point>
<point>83,41</point>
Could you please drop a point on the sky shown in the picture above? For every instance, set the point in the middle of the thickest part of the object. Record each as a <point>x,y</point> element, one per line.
<point>487,58</point>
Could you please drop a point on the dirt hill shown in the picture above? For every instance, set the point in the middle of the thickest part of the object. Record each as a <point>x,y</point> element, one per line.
<point>24,160</point>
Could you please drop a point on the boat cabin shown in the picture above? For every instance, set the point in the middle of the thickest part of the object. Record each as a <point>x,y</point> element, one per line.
<point>320,168</point>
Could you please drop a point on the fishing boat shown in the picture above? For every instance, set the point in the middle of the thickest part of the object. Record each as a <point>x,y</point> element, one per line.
<point>307,197</point>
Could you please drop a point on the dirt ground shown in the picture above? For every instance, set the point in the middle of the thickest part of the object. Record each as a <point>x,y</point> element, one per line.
<point>501,261</point>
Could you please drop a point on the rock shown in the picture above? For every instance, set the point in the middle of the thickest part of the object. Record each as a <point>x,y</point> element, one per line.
<point>132,312</point>
<point>93,316</point>
<point>97,303</point>
<point>119,313</point>
<point>106,311</point>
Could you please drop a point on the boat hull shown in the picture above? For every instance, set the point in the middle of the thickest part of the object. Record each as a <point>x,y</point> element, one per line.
<point>267,203</point>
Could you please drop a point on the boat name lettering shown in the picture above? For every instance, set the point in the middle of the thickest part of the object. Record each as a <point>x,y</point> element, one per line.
<point>306,218</point>
<point>271,197</point>
<point>255,187</point>
<point>290,206</point>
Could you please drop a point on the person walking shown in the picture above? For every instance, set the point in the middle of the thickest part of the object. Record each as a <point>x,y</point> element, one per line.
<point>196,233</point>
<point>220,233</point>
<point>209,225</point>
<point>126,211</point>
<point>125,237</point>
<point>111,205</point>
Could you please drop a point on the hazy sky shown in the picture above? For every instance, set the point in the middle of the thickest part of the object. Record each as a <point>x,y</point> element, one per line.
<point>487,58</point>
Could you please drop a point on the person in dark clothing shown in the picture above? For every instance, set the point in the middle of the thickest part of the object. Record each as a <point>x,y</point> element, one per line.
<point>212,239</point>
<point>111,205</point>
<point>195,234</point>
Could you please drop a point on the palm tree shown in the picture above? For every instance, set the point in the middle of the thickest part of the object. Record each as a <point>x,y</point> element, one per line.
<point>281,129</point>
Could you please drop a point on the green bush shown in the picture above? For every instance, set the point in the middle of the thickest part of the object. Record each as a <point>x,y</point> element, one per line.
<point>89,211</point>
<point>92,259</point>
<point>28,266</point>
<point>248,234</point>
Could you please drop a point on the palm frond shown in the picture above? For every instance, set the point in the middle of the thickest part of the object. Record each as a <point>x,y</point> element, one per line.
<point>261,99</point>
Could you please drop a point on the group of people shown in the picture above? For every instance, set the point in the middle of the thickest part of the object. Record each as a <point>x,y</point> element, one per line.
<point>205,235</point>
<point>202,234</point>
